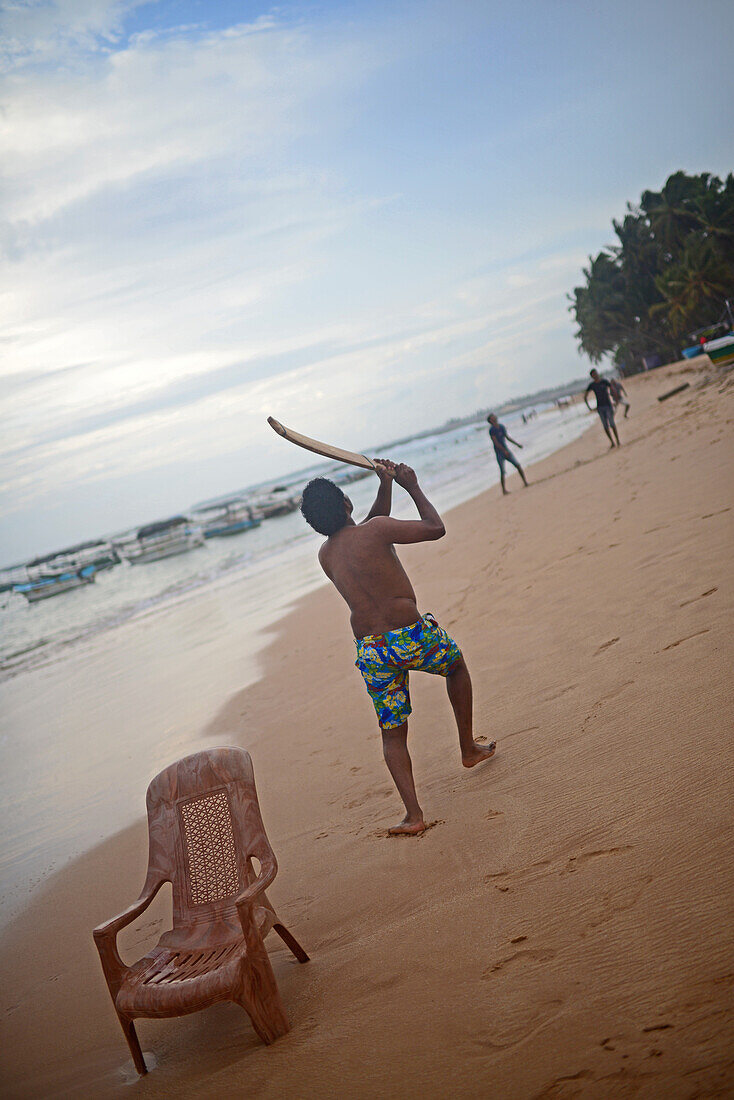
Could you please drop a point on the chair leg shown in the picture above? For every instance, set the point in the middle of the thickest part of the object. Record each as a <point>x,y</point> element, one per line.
<point>290,941</point>
<point>131,1035</point>
<point>260,997</point>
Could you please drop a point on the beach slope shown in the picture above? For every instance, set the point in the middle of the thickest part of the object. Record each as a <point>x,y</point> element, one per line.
<point>565,928</point>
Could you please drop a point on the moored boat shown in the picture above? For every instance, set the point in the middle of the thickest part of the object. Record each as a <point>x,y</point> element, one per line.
<point>721,351</point>
<point>43,587</point>
<point>228,517</point>
<point>164,539</point>
<point>273,504</point>
<point>99,552</point>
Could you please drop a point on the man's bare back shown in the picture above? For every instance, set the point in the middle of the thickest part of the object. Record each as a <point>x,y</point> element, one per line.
<point>361,561</point>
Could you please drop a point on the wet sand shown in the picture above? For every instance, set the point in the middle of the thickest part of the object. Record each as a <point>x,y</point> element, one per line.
<point>565,929</point>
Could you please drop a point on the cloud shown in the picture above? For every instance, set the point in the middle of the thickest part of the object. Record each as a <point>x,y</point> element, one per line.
<point>387,383</point>
<point>36,31</point>
<point>192,241</point>
<point>156,107</point>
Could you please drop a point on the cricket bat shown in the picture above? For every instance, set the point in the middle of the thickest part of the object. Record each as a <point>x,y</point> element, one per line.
<point>319,448</point>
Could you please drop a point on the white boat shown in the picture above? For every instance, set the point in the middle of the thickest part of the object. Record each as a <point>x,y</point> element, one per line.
<point>100,553</point>
<point>275,504</point>
<point>43,587</point>
<point>164,539</point>
<point>228,517</point>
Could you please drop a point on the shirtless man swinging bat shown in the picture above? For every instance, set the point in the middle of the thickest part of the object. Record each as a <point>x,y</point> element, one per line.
<point>391,635</point>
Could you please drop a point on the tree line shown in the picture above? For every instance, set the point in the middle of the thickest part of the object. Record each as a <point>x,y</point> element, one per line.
<point>668,279</point>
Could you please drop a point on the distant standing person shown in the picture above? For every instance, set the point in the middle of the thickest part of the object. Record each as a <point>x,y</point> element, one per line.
<point>619,395</point>
<point>603,391</point>
<point>498,435</point>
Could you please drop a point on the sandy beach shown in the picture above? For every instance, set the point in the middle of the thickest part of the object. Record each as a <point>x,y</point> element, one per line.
<point>565,928</point>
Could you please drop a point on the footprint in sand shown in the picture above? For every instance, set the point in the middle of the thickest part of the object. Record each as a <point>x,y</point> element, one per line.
<point>687,638</point>
<point>527,955</point>
<point>499,879</point>
<point>506,880</point>
<point>550,698</point>
<point>566,1087</point>
<point>606,645</point>
<point>519,1024</point>
<point>719,513</point>
<point>357,802</point>
<point>708,592</point>
<point>612,694</point>
<point>575,862</point>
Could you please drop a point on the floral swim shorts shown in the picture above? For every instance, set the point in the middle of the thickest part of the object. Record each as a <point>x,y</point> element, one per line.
<point>386,659</point>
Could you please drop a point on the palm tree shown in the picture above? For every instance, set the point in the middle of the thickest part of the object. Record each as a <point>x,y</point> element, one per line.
<point>715,212</point>
<point>672,268</point>
<point>672,212</point>
<point>695,286</point>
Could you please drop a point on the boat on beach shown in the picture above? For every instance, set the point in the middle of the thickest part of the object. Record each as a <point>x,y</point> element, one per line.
<point>164,539</point>
<point>228,517</point>
<point>721,351</point>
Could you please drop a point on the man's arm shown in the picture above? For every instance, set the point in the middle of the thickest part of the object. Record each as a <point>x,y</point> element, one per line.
<point>430,525</point>
<point>586,399</point>
<point>514,441</point>
<point>385,470</point>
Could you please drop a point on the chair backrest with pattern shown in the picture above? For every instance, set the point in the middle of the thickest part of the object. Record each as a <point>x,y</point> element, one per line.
<point>204,825</point>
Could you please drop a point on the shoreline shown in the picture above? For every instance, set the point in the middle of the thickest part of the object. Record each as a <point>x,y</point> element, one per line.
<point>268,558</point>
<point>574,888</point>
<point>147,686</point>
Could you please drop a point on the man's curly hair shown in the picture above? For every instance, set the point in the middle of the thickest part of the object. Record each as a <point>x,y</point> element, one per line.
<point>322,506</point>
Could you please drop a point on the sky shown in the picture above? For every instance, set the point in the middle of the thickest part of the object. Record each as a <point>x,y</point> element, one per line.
<point>360,217</point>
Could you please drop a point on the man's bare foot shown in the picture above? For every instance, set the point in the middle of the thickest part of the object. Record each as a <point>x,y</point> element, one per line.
<point>478,754</point>
<point>408,827</point>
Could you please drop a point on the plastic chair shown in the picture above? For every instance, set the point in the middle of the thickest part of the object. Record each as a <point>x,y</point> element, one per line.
<point>204,827</point>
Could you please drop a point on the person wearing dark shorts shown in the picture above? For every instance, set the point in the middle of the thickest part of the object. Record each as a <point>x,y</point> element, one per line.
<point>603,392</point>
<point>498,435</point>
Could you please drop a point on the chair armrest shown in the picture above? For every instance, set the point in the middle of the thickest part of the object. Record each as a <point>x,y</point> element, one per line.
<point>105,936</point>
<point>111,927</point>
<point>268,871</point>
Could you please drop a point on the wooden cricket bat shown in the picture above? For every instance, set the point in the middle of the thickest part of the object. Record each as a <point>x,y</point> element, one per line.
<point>325,449</point>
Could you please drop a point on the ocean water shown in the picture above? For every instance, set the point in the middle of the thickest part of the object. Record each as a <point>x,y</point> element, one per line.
<point>276,558</point>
